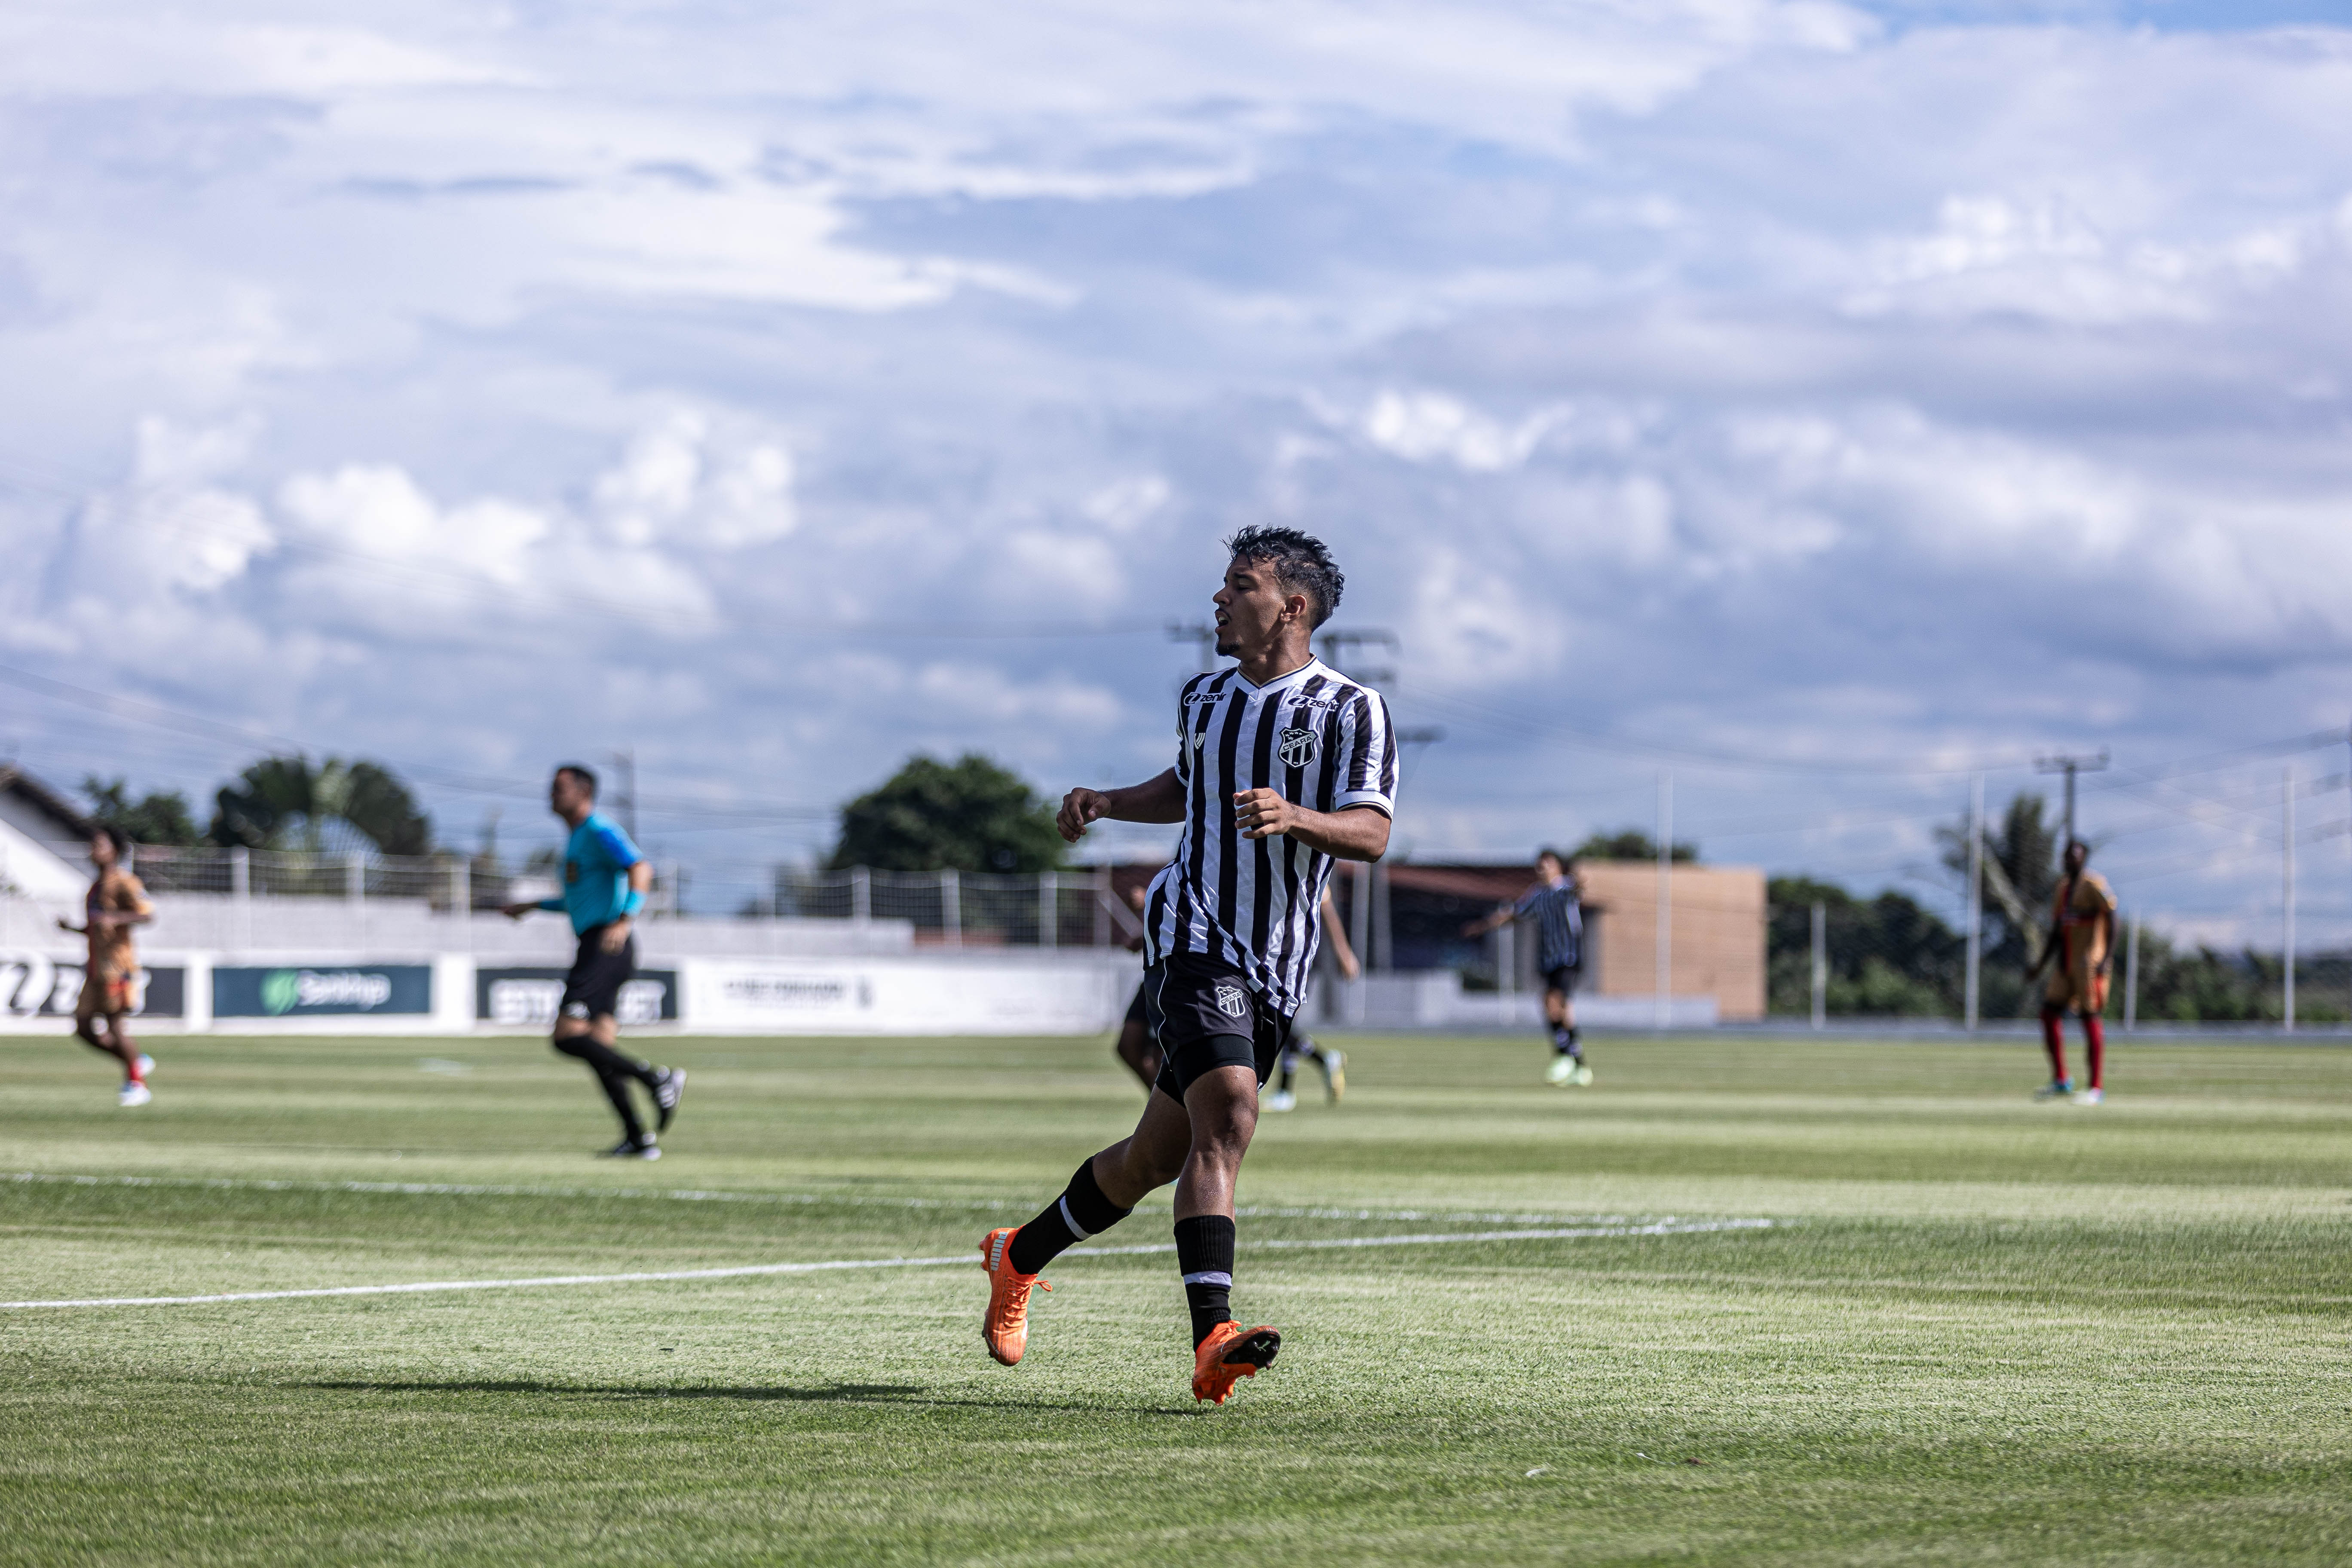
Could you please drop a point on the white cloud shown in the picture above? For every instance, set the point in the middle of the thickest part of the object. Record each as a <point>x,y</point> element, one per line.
<point>1430,427</point>
<point>1721,371</point>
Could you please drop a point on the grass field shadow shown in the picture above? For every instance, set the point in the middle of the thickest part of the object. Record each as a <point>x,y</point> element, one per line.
<point>908,1393</point>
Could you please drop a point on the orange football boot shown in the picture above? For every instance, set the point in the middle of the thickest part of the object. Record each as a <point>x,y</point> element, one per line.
<point>1006,1327</point>
<point>1229,1354</point>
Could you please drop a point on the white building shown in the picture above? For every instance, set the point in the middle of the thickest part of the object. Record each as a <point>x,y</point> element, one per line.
<point>41,839</point>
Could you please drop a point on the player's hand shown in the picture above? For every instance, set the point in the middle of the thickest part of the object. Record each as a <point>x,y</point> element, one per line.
<point>1080,807</point>
<point>1348,968</point>
<point>617,935</point>
<point>1263,814</point>
<point>516,911</point>
<point>65,925</point>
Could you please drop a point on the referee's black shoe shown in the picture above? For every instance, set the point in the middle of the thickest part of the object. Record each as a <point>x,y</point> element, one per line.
<point>668,1090</point>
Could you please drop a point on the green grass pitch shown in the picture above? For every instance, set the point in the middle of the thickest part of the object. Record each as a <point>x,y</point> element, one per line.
<point>1978,1331</point>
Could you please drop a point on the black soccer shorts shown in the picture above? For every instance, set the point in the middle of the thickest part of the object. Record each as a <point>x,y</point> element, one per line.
<point>593,989</point>
<point>1207,1018</point>
<point>1562,979</point>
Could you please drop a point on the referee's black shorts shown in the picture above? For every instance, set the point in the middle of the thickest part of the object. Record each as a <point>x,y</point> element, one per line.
<point>1207,1018</point>
<point>593,989</point>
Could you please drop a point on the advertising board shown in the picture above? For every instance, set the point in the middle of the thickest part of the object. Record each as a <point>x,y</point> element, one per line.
<point>294,991</point>
<point>527,997</point>
<point>33,986</point>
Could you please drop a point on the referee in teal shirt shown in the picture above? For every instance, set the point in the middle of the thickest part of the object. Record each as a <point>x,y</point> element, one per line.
<point>605,880</point>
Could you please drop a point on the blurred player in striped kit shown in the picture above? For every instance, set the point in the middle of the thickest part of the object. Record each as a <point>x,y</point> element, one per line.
<point>1331,1061</point>
<point>1552,904</point>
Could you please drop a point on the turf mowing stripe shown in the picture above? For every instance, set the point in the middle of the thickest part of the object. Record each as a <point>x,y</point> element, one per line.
<point>1662,1228</point>
<point>688,1194</point>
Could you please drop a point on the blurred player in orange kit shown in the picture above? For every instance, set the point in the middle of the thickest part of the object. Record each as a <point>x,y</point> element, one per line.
<point>115,903</point>
<point>2081,948</point>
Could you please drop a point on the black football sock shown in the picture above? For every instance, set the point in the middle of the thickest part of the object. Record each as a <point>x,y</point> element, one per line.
<point>1080,1212</point>
<point>614,1073</point>
<point>606,1060</point>
<point>1563,1039</point>
<point>1204,1251</point>
<point>1572,1047</point>
<point>1282,1079</point>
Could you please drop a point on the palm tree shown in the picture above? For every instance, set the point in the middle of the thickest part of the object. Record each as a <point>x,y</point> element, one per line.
<point>288,803</point>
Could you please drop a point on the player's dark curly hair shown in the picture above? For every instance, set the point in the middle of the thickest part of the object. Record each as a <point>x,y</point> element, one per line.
<point>116,837</point>
<point>1301,564</point>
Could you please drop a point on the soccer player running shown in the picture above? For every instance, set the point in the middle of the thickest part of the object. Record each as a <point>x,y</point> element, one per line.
<point>1559,936</point>
<point>114,904</point>
<point>1301,1046</point>
<point>1139,1036</point>
<point>2081,942</point>
<point>1282,767</point>
<point>605,880</point>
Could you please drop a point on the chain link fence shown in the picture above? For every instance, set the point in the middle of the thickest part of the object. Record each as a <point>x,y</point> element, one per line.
<point>1890,957</point>
<point>1046,909</point>
<point>1050,909</point>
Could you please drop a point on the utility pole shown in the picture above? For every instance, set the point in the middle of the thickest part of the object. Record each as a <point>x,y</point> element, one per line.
<point>1665,895</point>
<point>1976,897</point>
<point>625,799</point>
<point>2287,875</point>
<point>2131,979</point>
<point>1341,650</point>
<point>2061,763</point>
<point>1821,966</point>
<point>1198,632</point>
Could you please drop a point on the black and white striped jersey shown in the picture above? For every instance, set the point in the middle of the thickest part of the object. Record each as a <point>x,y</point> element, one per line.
<point>1324,741</point>
<point>1560,923</point>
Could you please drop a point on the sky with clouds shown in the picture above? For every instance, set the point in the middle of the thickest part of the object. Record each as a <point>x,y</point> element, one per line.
<point>1818,401</point>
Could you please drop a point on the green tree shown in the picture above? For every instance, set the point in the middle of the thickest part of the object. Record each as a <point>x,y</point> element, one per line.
<point>2022,869</point>
<point>288,803</point>
<point>966,815</point>
<point>1887,955</point>
<point>160,817</point>
<point>1627,844</point>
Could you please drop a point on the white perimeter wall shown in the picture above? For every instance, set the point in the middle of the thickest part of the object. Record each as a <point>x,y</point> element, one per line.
<point>985,992</point>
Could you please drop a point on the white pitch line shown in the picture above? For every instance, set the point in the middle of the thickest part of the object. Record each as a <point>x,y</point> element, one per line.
<point>1662,1228</point>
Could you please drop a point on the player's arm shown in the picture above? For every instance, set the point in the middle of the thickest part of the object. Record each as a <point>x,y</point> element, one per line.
<point>1351,833</point>
<point>2049,950</point>
<point>1502,916</point>
<point>641,882</point>
<point>1337,936</point>
<point>1155,800</point>
<point>130,907</point>
<point>2107,946</point>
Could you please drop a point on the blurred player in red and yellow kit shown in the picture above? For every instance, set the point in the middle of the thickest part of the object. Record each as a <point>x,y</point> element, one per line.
<point>2080,949</point>
<point>115,904</point>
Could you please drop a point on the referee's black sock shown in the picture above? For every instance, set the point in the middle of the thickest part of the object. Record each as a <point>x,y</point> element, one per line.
<point>614,1072</point>
<point>1080,1212</point>
<point>1204,1251</point>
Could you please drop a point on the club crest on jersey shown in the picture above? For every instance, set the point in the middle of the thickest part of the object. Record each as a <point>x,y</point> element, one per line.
<point>1232,1000</point>
<point>1296,747</point>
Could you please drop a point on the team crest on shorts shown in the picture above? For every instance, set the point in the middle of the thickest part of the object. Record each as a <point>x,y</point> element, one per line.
<point>1232,1000</point>
<point>1297,748</point>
